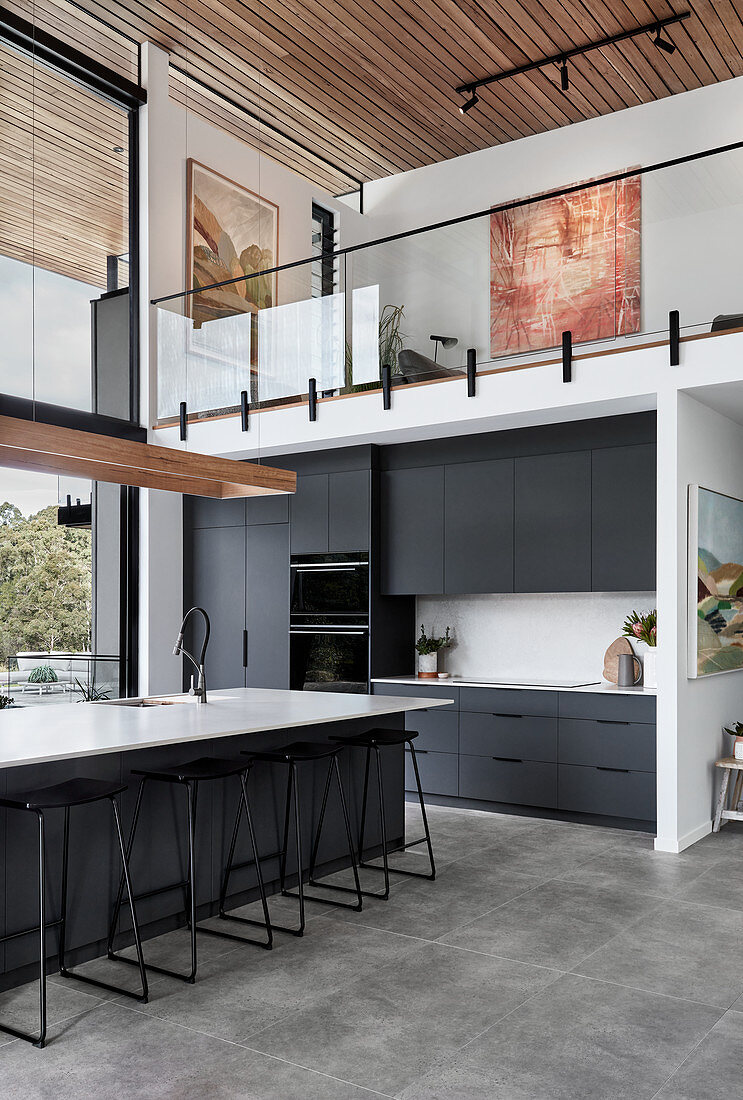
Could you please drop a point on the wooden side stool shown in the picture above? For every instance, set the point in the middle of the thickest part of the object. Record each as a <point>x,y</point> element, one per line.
<point>731,765</point>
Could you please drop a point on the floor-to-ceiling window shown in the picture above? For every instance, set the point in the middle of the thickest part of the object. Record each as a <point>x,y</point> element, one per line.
<point>68,324</point>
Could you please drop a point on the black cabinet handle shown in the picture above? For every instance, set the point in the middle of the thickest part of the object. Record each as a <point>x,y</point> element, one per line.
<point>610,722</point>
<point>496,714</point>
<point>508,759</point>
<point>245,649</point>
<point>623,771</point>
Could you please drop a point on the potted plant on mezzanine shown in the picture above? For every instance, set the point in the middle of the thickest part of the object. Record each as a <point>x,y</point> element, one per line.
<point>642,629</point>
<point>428,648</point>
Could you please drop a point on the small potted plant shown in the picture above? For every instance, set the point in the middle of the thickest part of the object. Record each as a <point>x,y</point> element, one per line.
<point>736,732</point>
<point>428,653</point>
<point>642,628</point>
<point>5,702</point>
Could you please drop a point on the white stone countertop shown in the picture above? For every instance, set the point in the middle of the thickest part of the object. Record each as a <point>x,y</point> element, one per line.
<point>599,688</point>
<point>64,731</point>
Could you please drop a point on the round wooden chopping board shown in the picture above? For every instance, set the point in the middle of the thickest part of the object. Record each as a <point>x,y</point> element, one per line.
<point>611,658</point>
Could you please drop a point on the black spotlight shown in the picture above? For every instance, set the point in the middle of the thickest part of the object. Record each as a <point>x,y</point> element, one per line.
<point>663,43</point>
<point>564,78</point>
<point>469,104</point>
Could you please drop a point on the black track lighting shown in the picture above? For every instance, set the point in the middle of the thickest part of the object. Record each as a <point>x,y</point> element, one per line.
<point>564,78</point>
<point>469,104</point>
<point>663,43</point>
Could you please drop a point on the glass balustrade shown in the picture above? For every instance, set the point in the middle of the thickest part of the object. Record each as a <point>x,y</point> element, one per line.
<point>606,260</point>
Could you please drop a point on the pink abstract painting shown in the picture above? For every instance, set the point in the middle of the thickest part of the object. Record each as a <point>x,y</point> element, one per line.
<point>566,263</point>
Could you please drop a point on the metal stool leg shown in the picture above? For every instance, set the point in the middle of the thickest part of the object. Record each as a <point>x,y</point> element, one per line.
<point>191,790</point>
<point>122,880</point>
<point>321,819</point>
<point>427,831</point>
<point>42,934</point>
<point>334,769</point>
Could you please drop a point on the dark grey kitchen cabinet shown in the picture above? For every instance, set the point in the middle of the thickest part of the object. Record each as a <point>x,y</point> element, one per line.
<point>412,545</point>
<point>438,772</point>
<point>268,509</point>
<point>217,583</point>
<point>478,526</point>
<point>211,512</point>
<point>623,502</point>
<point>614,792</point>
<point>348,508</point>
<point>504,779</point>
<point>267,618</point>
<point>552,525</point>
<point>309,515</point>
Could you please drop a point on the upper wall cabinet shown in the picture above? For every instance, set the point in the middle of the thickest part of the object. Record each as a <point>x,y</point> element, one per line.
<point>552,529</point>
<point>412,548</point>
<point>330,513</point>
<point>623,502</point>
<point>478,526</point>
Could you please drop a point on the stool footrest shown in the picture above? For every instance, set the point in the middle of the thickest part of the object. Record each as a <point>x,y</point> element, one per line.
<point>141,997</point>
<point>252,862</point>
<point>266,944</point>
<point>17,1034</point>
<point>158,890</point>
<point>190,978</point>
<point>326,901</point>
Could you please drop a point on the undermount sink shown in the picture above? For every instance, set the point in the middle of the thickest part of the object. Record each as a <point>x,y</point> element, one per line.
<point>154,702</point>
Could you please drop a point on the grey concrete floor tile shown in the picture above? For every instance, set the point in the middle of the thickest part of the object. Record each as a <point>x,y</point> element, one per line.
<point>576,1040</point>
<point>430,909</point>
<point>19,1007</point>
<point>638,867</point>
<point>677,950</point>
<point>114,1052</point>
<point>727,844</point>
<point>249,989</point>
<point>383,1031</point>
<point>546,852</point>
<point>713,1068</point>
<point>558,923</point>
<point>721,884</point>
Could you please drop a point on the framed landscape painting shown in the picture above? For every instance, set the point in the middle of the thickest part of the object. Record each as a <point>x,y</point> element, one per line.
<point>715,583</point>
<point>566,263</point>
<point>231,232</point>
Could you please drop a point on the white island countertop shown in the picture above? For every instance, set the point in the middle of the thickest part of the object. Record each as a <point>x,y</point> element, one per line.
<point>599,688</point>
<point>66,731</point>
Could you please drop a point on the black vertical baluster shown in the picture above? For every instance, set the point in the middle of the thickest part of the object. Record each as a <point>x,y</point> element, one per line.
<point>312,386</point>
<point>244,410</point>
<point>471,371</point>
<point>182,415</point>
<point>386,386</point>
<point>674,337</point>
<point>567,356</point>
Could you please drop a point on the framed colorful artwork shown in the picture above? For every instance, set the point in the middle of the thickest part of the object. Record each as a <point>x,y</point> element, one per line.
<point>566,263</point>
<point>231,231</point>
<point>715,615</point>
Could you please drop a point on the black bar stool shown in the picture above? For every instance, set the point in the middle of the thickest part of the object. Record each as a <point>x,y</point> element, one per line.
<point>63,796</point>
<point>374,740</point>
<point>189,775</point>
<point>294,754</point>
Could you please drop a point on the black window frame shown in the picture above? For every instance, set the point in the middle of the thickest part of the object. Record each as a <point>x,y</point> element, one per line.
<point>324,263</point>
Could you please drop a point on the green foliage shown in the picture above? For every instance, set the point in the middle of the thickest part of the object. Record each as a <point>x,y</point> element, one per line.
<point>644,627</point>
<point>391,343</point>
<point>42,674</point>
<point>5,701</point>
<point>426,644</point>
<point>735,730</point>
<point>45,583</point>
<point>89,693</point>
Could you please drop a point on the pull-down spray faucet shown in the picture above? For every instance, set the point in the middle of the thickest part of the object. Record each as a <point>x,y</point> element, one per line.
<point>200,690</point>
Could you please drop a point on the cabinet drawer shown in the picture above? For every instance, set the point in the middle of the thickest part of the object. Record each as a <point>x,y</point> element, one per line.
<point>509,701</point>
<point>620,708</point>
<point>614,793</point>
<point>438,772</point>
<point>520,781</point>
<point>523,737</point>
<point>607,743</point>
<point>427,690</point>
<point>437,732</point>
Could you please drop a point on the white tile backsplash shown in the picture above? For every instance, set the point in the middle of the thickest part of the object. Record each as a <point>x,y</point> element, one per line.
<point>558,636</point>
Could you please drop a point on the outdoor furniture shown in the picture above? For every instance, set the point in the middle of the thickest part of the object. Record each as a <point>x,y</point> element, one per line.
<point>732,767</point>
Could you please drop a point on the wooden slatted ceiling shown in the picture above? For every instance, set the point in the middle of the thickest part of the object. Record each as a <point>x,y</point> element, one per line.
<point>369,85</point>
<point>63,188</point>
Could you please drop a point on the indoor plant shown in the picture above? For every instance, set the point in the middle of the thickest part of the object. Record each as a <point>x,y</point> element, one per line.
<point>642,628</point>
<point>736,732</point>
<point>428,652</point>
<point>42,674</point>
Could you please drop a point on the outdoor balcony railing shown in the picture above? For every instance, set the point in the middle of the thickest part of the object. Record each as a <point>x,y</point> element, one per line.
<point>606,260</point>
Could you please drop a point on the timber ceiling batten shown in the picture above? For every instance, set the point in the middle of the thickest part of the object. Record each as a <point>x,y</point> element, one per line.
<point>369,87</point>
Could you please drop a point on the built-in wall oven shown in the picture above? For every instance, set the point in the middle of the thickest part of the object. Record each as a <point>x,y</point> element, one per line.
<point>329,623</point>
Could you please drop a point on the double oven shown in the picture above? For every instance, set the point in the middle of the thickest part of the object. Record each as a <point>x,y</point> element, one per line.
<point>329,623</point>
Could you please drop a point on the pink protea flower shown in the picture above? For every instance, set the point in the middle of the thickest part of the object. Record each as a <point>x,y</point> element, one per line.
<point>637,629</point>
<point>654,630</point>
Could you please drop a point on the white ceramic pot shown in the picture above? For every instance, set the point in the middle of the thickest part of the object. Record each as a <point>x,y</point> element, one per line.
<point>428,665</point>
<point>647,655</point>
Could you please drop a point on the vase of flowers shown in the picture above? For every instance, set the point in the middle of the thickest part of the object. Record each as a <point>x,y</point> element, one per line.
<point>428,648</point>
<point>642,629</point>
<point>736,732</point>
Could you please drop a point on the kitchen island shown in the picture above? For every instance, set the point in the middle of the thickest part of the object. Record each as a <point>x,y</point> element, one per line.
<point>109,740</point>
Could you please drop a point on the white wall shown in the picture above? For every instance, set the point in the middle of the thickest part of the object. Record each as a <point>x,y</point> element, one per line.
<point>558,636</point>
<point>710,453</point>
<point>169,136</point>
